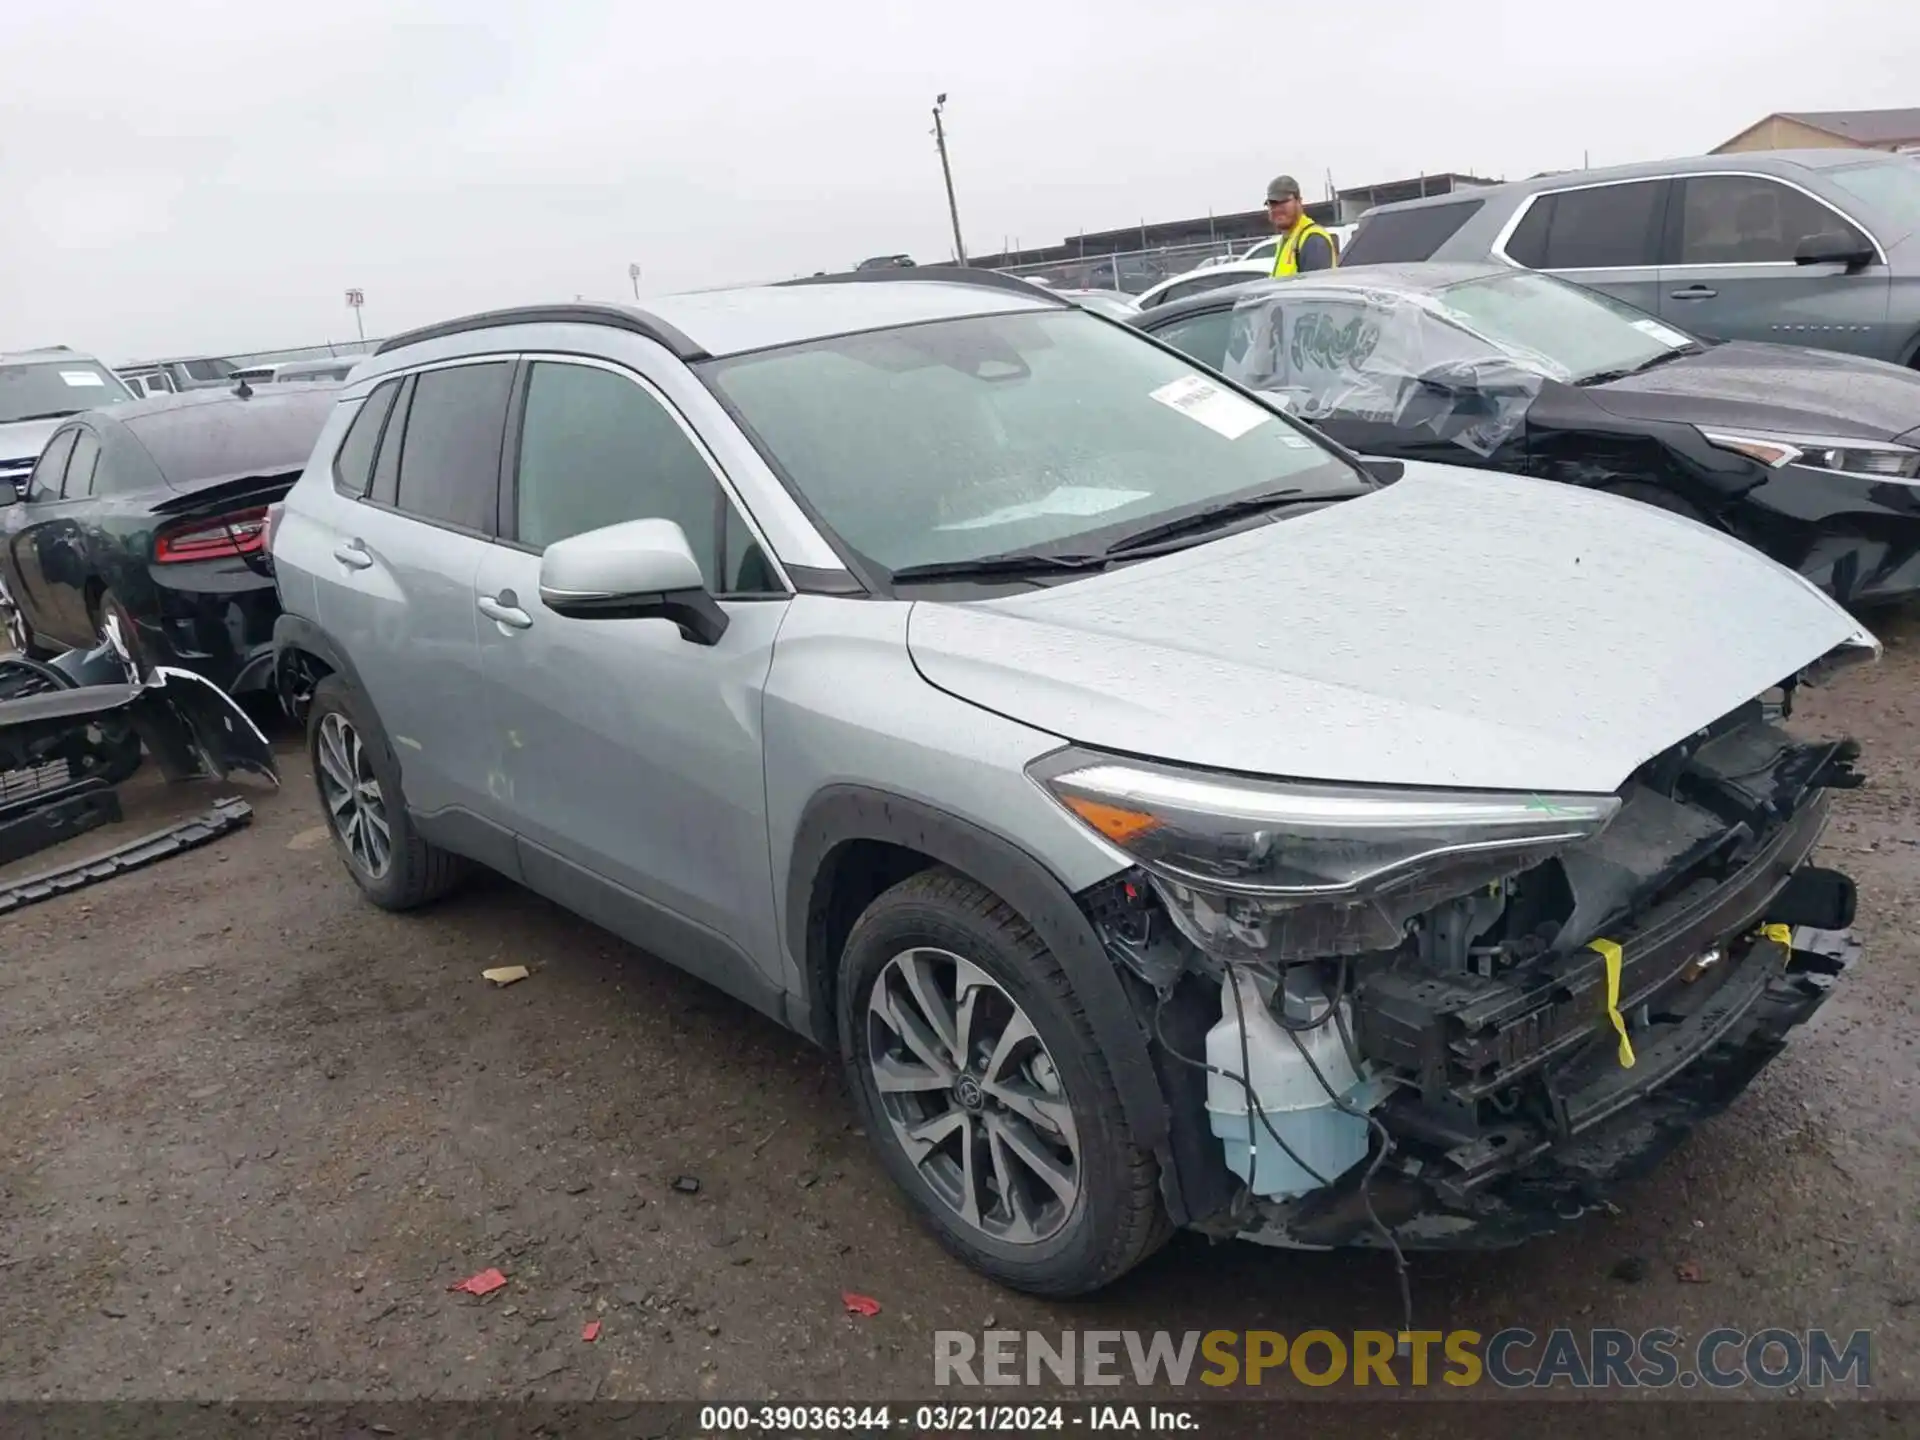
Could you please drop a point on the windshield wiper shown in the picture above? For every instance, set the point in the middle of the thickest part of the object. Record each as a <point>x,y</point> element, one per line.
<point>1602,377</point>
<point>990,567</point>
<point>50,415</point>
<point>1227,511</point>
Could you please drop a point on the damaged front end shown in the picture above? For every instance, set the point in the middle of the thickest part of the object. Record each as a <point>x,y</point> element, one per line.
<point>1459,1019</point>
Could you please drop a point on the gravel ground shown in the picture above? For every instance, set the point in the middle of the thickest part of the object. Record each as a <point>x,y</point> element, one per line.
<point>253,1129</point>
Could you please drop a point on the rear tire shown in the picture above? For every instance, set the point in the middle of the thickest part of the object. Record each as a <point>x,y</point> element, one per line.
<point>18,633</point>
<point>109,606</point>
<point>999,1119</point>
<point>365,809</point>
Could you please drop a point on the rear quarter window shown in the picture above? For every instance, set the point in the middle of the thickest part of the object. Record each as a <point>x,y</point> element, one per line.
<point>353,465</point>
<point>1391,236</point>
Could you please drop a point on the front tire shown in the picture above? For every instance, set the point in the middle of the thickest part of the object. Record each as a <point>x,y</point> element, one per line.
<point>366,811</point>
<point>978,1077</point>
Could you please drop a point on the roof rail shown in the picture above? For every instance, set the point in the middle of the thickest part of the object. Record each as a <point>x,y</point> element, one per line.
<point>615,317</point>
<point>948,274</point>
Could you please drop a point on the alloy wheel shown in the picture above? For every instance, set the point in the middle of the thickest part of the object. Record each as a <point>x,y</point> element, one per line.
<point>973,1096</point>
<point>355,806</point>
<point>19,637</point>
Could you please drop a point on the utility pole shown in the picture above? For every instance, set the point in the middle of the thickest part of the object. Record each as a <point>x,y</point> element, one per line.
<point>946,171</point>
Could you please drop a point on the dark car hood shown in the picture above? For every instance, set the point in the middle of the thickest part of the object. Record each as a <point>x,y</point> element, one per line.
<point>1772,387</point>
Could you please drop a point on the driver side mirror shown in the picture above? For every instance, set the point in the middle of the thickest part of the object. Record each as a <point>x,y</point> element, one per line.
<point>1834,247</point>
<point>636,570</point>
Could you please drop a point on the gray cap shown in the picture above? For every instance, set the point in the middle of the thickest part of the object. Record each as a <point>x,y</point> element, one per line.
<point>1283,187</point>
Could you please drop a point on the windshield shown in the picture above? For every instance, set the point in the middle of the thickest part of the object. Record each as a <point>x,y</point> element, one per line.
<point>1580,331</point>
<point>959,439</point>
<point>47,388</point>
<point>1891,189</point>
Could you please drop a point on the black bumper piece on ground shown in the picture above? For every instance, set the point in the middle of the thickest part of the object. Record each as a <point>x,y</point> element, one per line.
<point>188,834</point>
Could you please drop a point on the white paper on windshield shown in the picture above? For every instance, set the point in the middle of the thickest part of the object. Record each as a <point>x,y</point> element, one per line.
<point>1653,329</point>
<point>1221,411</point>
<point>81,377</point>
<point>1061,500</point>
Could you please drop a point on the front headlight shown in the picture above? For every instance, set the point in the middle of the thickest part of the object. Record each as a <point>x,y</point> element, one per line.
<point>1867,459</point>
<point>1275,869</point>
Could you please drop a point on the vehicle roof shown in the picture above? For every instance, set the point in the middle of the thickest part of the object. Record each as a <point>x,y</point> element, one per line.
<point>214,434</point>
<point>1764,162</point>
<point>1409,278</point>
<point>712,324</point>
<point>45,355</point>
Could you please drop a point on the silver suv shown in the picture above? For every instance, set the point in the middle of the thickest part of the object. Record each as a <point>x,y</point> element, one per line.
<point>1169,818</point>
<point>1804,247</point>
<point>38,390</point>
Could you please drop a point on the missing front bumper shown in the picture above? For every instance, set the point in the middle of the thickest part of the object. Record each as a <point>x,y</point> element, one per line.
<point>1538,1175</point>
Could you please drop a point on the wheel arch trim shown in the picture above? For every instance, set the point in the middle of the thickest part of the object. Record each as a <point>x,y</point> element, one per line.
<point>839,814</point>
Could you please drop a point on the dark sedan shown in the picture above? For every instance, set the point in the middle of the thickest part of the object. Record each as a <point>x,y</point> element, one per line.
<point>156,513</point>
<point>1810,455</point>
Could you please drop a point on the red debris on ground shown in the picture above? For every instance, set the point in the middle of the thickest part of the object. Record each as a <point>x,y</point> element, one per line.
<point>590,1331</point>
<point>859,1304</point>
<point>485,1283</point>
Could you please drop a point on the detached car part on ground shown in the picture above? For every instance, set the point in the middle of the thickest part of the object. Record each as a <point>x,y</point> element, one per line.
<point>1169,820</point>
<point>74,728</point>
<point>1810,455</point>
<point>155,513</point>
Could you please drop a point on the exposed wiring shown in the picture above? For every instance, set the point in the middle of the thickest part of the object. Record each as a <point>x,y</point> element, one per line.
<point>1294,1030</point>
<point>1253,1100</point>
<point>1366,1180</point>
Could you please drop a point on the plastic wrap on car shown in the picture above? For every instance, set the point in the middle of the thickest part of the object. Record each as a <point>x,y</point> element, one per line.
<point>1386,357</point>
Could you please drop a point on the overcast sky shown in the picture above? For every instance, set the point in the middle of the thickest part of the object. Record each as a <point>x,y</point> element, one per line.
<point>187,177</point>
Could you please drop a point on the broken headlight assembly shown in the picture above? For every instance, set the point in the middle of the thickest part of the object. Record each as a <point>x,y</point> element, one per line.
<point>1865,459</point>
<point>1256,869</point>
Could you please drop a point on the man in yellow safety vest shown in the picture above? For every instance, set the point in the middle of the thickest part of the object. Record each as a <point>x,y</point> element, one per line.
<point>1303,244</point>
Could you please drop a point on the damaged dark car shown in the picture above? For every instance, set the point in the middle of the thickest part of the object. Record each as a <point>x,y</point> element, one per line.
<point>1811,456</point>
<point>155,514</point>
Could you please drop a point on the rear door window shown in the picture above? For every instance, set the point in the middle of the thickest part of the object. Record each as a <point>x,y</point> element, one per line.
<point>1749,220</point>
<point>1391,236</point>
<point>450,456</point>
<point>1601,227</point>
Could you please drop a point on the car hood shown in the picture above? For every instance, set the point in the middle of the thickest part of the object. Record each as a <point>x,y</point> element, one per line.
<point>1772,387</point>
<point>1457,628</point>
<point>25,439</point>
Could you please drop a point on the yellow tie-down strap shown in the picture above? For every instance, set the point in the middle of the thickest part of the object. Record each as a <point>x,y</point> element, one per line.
<point>1610,953</point>
<point>1779,934</point>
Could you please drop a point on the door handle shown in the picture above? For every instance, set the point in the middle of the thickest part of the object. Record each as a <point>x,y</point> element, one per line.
<point>353,555</point>
<point>1693,292</point>
<point>502,611</point>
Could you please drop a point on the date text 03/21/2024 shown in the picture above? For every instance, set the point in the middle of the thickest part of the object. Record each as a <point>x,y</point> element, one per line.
<point>941,1419</point>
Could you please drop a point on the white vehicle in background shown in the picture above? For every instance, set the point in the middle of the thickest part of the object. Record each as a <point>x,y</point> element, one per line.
<point>1212,274</point>
<point>1193,282</point>
<point>1268,248</point>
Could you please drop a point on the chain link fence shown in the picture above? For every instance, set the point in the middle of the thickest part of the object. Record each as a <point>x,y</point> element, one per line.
<point>1128,270</point>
